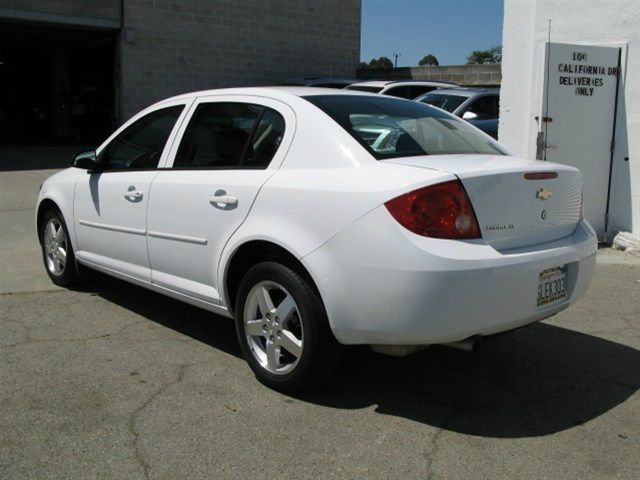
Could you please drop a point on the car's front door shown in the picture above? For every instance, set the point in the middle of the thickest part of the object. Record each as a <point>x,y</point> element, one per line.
<point>110,205</point>
<point>221,157</point>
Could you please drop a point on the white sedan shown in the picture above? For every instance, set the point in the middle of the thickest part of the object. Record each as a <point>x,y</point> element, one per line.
<point>319,219</point>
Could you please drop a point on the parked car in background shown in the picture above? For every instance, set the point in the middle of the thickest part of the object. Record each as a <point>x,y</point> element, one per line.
<point>319,82</point>
<point>317,218</point>
<point>478,106</point>
<point>409,89</point>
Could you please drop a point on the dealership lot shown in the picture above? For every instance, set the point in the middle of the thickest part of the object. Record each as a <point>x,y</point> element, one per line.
<point>113,381</point>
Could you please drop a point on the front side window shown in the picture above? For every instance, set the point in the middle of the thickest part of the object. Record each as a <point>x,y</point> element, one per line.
<point>389,127</point>
<point>230,135</point>
<point>140,145</point>
<point>444,101</point>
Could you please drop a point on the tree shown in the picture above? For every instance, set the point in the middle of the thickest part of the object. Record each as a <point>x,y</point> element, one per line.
<point>429,60</point>
<point>363,65</point>
<point>382,62</point>
<point>484,57</point>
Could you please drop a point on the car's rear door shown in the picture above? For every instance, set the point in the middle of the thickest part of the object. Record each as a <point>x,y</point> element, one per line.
<point>110,205</point>
<point>222,155</point>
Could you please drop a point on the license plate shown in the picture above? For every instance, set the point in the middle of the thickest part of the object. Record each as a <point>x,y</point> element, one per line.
<point>552,286</point>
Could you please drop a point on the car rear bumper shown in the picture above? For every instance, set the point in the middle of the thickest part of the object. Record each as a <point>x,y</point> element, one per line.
<point>382,284</point>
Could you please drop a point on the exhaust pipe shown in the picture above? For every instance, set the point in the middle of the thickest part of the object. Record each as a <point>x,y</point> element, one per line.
<point>471,344</point>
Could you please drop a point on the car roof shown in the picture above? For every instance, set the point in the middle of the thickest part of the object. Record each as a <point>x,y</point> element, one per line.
<point>425,82</point>
<point>407,81</point>
<point>465,91</point>
<point>373,83</point>
<point>276,91</point>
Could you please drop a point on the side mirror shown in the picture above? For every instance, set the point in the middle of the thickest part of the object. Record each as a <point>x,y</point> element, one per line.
<point>86,160</point>
<point>469,115</point>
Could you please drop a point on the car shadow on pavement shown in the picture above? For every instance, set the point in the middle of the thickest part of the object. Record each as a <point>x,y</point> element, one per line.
<point>534,381</point>
<point>214,330</point>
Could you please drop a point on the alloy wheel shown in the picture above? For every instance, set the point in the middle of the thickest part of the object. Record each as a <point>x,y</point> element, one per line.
<point>56,245</point>
<point>273,327</point>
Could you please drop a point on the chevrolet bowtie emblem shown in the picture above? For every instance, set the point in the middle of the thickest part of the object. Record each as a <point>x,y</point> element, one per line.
<point>544,194</point>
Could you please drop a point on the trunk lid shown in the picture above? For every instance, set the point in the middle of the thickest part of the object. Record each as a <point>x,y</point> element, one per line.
<point>513,211</point>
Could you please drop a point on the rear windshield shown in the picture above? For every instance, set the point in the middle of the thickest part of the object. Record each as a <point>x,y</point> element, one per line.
<point>444,101</point>
<point>389,127</point>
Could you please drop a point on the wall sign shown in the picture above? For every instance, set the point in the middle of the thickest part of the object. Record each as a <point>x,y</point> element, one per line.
<point>578,106</point>
<point>582,77</point>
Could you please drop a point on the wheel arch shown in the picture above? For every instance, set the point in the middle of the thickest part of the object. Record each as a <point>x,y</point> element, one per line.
<point>254,251</point>
<point>44,206</point>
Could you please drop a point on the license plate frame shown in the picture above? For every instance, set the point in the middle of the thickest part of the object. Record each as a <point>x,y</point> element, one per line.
<point>552,286</point>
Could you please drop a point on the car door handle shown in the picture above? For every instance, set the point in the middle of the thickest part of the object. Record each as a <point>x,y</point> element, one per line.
<point>133,194</point>
<point>222,200</point>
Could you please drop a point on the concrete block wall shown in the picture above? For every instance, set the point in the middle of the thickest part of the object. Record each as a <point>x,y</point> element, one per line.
<point>170,47</point>
<point>87,13</point>
<point>463,74</point>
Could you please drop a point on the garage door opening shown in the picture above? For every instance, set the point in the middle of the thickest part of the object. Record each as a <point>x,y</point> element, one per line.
<point>57,86</point>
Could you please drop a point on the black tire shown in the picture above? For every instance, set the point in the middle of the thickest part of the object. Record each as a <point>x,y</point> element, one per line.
<point>321,352</point>
<point>68,277</point>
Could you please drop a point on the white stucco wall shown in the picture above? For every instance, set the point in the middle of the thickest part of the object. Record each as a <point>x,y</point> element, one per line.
<point>596,22</point>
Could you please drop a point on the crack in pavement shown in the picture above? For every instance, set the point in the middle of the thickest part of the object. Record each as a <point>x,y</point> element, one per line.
<point>70,340</point>
<point>435,441</point>
<point>433,452</point>
<point>34,292</point>
<point>27,209</point>
<point>140,457</point>
<point>146,467</point>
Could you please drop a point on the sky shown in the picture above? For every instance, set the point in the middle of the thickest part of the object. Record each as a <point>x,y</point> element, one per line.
<point>448,29</point>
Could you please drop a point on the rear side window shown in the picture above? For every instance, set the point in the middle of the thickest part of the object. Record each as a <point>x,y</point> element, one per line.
<point>266,140</point>
<point>140,145</point>
<point>230,135</point>
<point>389,127</point>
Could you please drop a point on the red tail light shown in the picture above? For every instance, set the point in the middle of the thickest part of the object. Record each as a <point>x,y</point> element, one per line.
<point>437,211</point>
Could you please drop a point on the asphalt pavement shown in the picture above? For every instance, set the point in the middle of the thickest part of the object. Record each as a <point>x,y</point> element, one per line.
<point>114,381</point>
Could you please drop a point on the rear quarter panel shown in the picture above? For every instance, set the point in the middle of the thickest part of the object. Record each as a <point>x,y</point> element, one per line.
<point>300,210</point>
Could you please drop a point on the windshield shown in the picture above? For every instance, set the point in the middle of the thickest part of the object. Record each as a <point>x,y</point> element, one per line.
<point>443,101</point>
<point>389,127</point>
<point>365,88</point>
